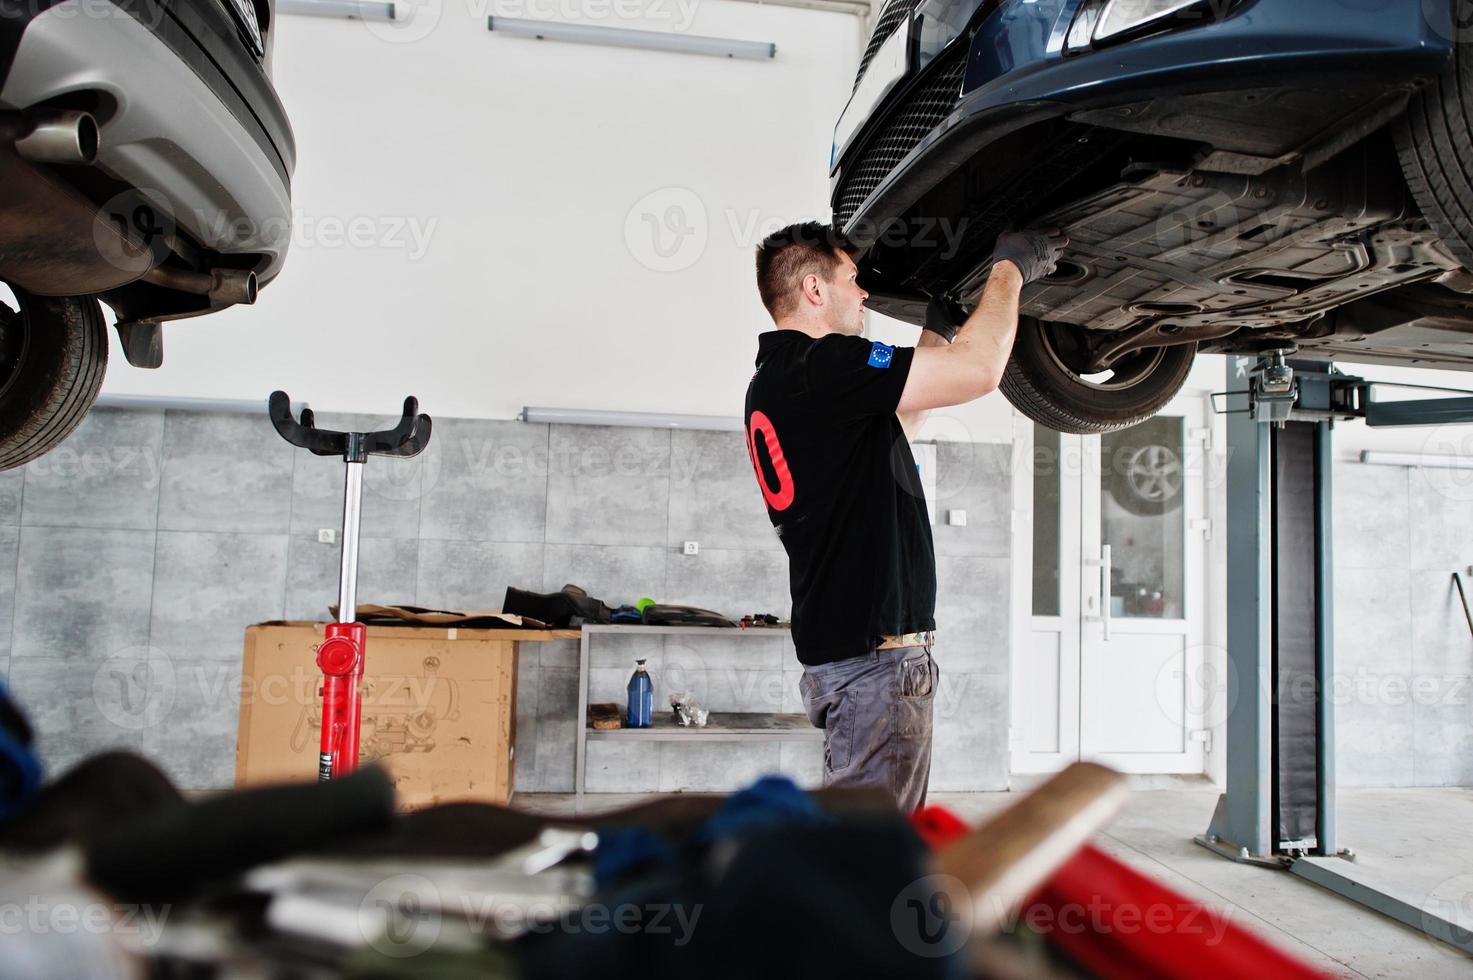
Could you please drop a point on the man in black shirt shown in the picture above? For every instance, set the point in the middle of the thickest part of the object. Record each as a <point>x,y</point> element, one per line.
<point>829,416</point>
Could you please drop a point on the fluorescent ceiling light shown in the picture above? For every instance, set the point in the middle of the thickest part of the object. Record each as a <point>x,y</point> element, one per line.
<point>641,420</point>
<point>621,37</point>
<point>1377,457</point>
<point>363,9</point>
<point>170,403</point>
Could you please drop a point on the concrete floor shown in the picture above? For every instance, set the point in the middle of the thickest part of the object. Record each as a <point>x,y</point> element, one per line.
<point>1416,836</point>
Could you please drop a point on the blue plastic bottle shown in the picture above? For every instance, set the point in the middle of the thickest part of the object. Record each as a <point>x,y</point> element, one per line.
<point>641,698</point>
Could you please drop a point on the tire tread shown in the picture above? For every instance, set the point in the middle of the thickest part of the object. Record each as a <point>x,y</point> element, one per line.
<point>1434,143</point>
<point>1043,393</point>
<point>69,393</point>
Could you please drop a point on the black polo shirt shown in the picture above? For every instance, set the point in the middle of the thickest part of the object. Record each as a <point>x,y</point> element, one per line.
<point>842,490</point>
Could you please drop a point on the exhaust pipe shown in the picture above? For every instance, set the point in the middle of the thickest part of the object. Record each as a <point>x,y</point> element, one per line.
<point>65,136</point>
<point>224,287</point>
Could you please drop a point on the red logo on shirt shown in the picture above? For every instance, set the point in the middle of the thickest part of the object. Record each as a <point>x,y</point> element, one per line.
<point>782,498</point>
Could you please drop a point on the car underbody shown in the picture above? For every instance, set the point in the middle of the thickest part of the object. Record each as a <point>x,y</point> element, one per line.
<point>1240,263</point>
<point>1239,185</point>
<point>1337,260</point>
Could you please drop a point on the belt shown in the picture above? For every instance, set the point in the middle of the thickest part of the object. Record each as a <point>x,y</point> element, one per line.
<point>892,642</point>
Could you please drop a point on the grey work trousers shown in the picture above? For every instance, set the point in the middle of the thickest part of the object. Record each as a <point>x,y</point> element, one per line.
<point>876,714</point>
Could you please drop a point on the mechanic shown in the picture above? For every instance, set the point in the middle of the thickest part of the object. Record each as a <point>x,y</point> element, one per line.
<point>829,416</point>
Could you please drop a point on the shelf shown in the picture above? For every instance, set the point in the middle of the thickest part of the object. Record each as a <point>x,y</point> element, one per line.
<point>725,726</point>
<point>770,632</point>
<point>731,726</point>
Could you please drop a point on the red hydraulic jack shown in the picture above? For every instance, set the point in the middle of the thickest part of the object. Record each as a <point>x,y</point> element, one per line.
<point>340,657</point>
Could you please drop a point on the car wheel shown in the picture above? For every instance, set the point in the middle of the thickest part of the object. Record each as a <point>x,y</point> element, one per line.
<point>1043,381</point>
<point>53,355</point>
<point>1434,140</point>
<point>1147,480</point>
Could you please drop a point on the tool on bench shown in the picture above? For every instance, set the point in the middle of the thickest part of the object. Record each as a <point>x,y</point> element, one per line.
<point>340,657</point>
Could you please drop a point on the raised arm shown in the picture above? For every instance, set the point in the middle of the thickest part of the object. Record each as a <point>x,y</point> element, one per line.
<point>972,365</point>
<point>911,422</point>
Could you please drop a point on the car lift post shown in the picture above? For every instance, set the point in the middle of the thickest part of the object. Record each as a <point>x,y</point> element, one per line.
<point>1279,806</point>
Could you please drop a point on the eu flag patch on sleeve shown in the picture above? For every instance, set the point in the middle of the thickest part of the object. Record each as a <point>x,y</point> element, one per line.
<point>880,355</point>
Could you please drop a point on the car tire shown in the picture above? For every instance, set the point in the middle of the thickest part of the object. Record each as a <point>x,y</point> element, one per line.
<point>1040,384</point>
<point>53,355</point>
<point>1434,140</point>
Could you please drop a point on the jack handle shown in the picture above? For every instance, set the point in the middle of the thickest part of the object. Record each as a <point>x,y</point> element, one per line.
<point>408,438</point>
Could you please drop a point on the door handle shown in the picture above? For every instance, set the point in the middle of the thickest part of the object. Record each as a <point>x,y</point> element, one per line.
<point>1105,588</point>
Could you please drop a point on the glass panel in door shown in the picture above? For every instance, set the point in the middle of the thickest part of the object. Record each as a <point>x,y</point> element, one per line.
<point>1047,475</point>
<point>1143,520</point>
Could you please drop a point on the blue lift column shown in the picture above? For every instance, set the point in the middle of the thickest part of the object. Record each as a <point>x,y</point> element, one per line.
<point>1280,753</point>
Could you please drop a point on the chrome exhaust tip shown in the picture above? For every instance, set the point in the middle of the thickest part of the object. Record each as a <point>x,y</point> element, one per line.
<point>231,286</point>
<point>224,287</point>
<point>67,136</point>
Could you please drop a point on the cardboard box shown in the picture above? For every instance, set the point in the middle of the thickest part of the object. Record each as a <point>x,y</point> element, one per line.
<point>439,708</point>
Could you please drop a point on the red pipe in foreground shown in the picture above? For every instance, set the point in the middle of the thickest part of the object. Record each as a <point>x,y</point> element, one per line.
<point>1120,924</point>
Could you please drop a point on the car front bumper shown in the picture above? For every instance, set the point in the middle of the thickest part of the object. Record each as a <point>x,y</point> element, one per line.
<point>1017,74</point>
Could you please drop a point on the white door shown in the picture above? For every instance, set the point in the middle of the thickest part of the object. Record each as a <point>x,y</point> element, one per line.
<point>1117,598</point>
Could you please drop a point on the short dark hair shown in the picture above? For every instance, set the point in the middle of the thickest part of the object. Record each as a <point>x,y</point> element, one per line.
<point>787,256</point>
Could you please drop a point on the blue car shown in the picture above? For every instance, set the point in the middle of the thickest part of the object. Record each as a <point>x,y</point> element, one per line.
<point>1235,176</point>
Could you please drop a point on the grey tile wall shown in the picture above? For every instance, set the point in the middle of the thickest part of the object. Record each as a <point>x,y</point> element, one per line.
<point>133,556</point>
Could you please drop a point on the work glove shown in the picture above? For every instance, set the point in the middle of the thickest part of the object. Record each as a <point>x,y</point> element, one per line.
<point>1035,253</point>
<point>945,316</point>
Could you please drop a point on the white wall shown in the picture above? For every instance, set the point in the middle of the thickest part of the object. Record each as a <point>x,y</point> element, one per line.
<point>531,167</point>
